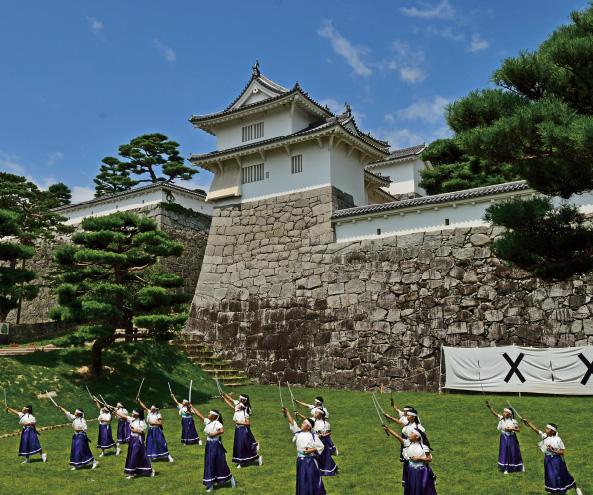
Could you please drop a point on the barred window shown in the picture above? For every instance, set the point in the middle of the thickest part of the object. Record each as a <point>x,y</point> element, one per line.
<point>253,131</point>
<point>253,173</point>
<point>297,164</point>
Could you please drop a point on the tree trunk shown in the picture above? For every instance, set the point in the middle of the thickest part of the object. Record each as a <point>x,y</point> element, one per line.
<point>96,354</point>
<point>128,325</point>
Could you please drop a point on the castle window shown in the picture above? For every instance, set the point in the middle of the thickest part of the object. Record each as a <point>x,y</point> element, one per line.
<point>253,173</point>
<point>297,164</point>
<point>253,131</point>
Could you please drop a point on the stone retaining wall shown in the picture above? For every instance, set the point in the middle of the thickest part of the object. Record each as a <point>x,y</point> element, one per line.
<point>281,300</point>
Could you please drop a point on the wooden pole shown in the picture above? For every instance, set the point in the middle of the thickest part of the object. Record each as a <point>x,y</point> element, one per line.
<point>381,388</point>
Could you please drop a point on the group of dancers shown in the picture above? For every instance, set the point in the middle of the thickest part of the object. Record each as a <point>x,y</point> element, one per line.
<point>557,478</point>
<point>146,442</point>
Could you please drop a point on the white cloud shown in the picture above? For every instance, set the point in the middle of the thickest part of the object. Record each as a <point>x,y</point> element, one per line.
<point>96,26</point>
<point>45,182</point>
<point>167,53</point>
<point>81,194</point>
<point>478,44</point>
<point>333,105</point>
<point>401,138</point>
<point>428,111</point>
<point>9,163</point>
<point>442,10</point>
<point>354,55</point>
<point>52,157</point>
<point>447,33</point>
<point>408,61</point>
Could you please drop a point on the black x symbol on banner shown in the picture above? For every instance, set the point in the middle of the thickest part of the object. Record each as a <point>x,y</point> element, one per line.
<point>589,369</point>
<point>514,367</point>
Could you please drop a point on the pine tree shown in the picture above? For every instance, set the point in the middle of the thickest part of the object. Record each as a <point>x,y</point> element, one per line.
<point>110,280</point>
<point>147,156</point>
<point>13,279</point>
<point>539,120</point>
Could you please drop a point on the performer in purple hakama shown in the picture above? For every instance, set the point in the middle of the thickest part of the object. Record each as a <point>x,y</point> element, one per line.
<point>417,452</point>
<point>557,477</point>
<point>156,444</point>
<point>309,447</point>
<point>80,454</point>
<point>123,426</point>
<point>216,469</point>
<point>137,461</point>
<point>509,453</point>
<point>245,446</point>
<point>189,434</point>
<point>409,422</point>
<point>327,466</point>
<point>29,442</point>
<point>105,440</point>
<point>319,405</point>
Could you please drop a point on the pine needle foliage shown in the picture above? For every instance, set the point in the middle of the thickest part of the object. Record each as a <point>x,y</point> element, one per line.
<point>110,279</point>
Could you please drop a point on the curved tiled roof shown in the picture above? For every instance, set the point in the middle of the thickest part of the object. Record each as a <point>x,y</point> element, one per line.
<point>133,191</point>
<point>402,153</point>
<point>428,200</point>
<point>340,120</point>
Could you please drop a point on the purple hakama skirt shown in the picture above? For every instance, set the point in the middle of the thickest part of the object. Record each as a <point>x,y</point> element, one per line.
<point>330,445</point>
<point>156,445</point>
<point>509,454</point>
<point>189,435</point>
<point>123,431</point>
<point>216,470</point>
<point>558,479</point>
<point>327,466</point>
<point>29,442</point>
<point>105,440</point>
<point>80,454</point>
<point>244,446</point>
<point>419,481</point>
<point>137,462</point>
<point>308,477</point>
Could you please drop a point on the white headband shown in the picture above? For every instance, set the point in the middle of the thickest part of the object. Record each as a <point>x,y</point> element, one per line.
<point>214,413</point>
<point>184,401</point>
<point>408,408</point>
<point>242,397</point>
<point>78,411</point>
<point>552,428</point>
<point>417,432</point>
<point>508,410</point>
<point>119,404</point>
<point>412,413</point>
<point>154,407</point>
<point>316,409</point>
<point>136,411</point>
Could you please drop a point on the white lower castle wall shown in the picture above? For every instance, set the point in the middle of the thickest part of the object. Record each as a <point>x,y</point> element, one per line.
<point>469,213</point>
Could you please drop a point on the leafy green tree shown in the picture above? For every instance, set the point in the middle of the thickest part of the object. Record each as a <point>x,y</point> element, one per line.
<point>540,120</point>
<point>34,217</point>
<point>455,170</point>
<point>147,156</point>
<point>109,281</point>
<point>59,195</point>
<point>13,279</point>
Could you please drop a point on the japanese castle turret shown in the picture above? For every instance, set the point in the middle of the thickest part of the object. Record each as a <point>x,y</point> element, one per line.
<point>274,141</point>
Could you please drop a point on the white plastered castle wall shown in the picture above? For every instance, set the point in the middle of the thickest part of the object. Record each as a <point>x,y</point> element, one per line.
<point>405,175</point>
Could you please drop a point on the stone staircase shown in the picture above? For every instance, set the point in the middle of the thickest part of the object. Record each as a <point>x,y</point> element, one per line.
<point>202,356</point>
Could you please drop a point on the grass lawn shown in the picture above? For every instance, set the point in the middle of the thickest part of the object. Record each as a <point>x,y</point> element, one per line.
<point>461,429</point>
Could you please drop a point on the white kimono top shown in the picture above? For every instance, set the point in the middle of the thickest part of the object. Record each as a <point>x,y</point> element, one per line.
<point>184,410</point>
<point>153,418</point>
<point>507,423</point>
<point>554,443</point>
<point>240,415</point>
<point>104,418</point>
<point>136,424</point>
<point>77,423</point>
<point>122,410</point>
<point>415,450</point>
<point>305,440</point>
<point>411,426</point>
<point>212,427</point>
<point>321,426</point>
<point>26,418</point>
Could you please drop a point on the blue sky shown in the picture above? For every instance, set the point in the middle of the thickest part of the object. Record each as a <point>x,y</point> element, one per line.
<point>78,79</point>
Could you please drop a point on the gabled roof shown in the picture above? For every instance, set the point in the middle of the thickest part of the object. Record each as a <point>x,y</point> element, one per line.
<point>337,121</point>
<point>429,200</point>
<point>400,154</point>
<point>132,192</point>
<point>383,180</point>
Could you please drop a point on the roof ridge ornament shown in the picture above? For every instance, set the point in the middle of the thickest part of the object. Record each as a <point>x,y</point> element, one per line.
<point>255,69</point>
<point>348,108</point>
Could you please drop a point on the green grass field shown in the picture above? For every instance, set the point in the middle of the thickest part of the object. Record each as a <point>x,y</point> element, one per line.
<point>461,429</point>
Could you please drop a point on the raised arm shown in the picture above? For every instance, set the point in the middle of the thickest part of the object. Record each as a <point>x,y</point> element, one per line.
<point>176,401</point>
<point>395,420</point>
<point>228,403</point>
<point>301,403</point>
<point>390,431</point>
<point>198,413</point>
<point>395,407</point>
<point>299,415</point>
<point>290,420</point>
<point>530,424</point>
<point>122,416</point>
<point>97,402</point>
<point>141,404</point>
<point>13,411</point>
<point>491,410</point>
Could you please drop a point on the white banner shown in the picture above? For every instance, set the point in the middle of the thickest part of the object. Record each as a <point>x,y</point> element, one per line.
<point>565,370</point>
